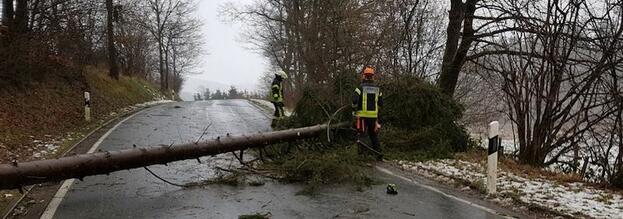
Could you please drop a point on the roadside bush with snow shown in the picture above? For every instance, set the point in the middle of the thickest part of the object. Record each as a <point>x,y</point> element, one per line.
<point>571,199</point>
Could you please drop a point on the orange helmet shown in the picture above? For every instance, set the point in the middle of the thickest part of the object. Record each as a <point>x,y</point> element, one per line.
<point>368,71</point>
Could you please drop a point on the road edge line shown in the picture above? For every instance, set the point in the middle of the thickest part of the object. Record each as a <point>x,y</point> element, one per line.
<point>16,203</point>
<point>492,211</point>
<point>50,210</point>
<point>265,112</point>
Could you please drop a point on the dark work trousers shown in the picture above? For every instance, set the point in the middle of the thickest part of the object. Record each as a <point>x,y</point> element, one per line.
<point>369,124</point>
<point>279,113</point>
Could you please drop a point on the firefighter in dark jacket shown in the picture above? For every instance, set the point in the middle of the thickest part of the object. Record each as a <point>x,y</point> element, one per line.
<point>367,101</point>
<point>277,93</point>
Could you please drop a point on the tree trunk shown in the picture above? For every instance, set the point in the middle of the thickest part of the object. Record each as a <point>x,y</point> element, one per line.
<point>17,175</point>
<point>527,156</point>
<point>175,73</point>
<point>576,158</point>
<point>163,86</point>
<point>460,15</point>
<point>112,52</point>
<point>166,68</point>
<point>7,12</point>
<point>533,154</point>
<point>21,16</point>
<point>452,42</point>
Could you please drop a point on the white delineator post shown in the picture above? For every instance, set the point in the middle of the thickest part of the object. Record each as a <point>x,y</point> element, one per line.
<point>492,162</point>
<point>87,106</point>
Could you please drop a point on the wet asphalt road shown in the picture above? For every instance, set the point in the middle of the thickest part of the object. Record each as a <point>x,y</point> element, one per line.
<point>137,194</point>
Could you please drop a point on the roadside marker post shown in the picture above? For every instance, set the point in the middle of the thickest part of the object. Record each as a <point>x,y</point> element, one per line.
<point>492,162</point>
<point>87,106</point>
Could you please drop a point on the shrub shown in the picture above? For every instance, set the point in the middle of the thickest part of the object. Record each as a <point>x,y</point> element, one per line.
<point>420,123</point>
<point>413,104</point>
<point>420,117</point>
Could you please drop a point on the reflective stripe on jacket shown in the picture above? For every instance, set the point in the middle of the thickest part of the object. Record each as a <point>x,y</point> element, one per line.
<point>277,92</point>
<point>367,101</point>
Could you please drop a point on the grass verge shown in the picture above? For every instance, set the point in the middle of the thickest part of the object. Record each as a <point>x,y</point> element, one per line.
<point>53,111</point>
<point>50,112</point>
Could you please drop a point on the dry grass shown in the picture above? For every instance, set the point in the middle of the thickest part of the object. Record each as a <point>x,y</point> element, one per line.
<point>479,156</point>
<point>512,166</point>
<point>48,110</point>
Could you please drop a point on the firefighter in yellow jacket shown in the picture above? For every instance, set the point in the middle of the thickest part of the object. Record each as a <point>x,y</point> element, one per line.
<point>367,101</point>
<point>277,93</point>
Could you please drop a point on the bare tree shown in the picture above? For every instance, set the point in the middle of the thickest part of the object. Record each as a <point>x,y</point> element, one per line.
<point>182,43</point>
<point>552,59</point>
<point>129,35</point>
<point>458,43</point>
<point>175,32</point>
<point>154,16</point>
<point>318,43</point>
<point>112,51</point>
<point>414,42</point>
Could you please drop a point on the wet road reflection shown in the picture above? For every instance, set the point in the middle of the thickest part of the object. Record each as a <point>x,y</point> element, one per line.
<point>137,194</point>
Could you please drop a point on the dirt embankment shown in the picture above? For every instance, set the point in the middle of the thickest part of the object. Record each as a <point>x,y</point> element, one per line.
<point>38,118</point>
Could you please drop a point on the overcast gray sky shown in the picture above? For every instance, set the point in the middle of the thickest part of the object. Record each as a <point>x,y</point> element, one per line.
<point>228,59</point>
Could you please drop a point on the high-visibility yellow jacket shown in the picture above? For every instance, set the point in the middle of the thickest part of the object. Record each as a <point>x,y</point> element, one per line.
<point>277,91</point>
<point>367,100</point>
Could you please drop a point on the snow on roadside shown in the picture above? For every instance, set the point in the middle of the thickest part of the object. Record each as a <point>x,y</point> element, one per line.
<point>150,103</point>
<point>511,147</point>
<point>44,148</point>
<point>49,145</point>
<point>569,199</point>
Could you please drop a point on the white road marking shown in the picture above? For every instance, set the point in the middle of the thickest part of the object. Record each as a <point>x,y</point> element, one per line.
<point>438,191</point>
<point>62,192</point>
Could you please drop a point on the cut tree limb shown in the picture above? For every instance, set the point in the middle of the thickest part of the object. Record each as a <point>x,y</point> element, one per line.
<point>17,175</point>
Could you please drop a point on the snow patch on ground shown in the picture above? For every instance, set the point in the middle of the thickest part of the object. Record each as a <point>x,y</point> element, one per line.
<point>602,150</point>
<point>569,199</point>
<point>42,148</point>
<point>50,145</point>
<point>145,104</point>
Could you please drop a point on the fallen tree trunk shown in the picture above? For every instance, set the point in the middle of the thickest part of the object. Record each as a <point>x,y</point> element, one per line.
<point>17,175</point>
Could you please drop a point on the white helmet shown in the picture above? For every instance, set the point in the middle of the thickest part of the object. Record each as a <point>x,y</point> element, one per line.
<point>281,74</point>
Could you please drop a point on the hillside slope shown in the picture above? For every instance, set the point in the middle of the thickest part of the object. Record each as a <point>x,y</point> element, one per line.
<point>50,112</point>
